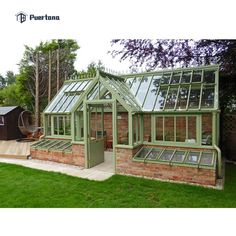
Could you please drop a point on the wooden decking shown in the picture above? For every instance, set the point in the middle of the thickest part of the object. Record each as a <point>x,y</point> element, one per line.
<point>13,149</point>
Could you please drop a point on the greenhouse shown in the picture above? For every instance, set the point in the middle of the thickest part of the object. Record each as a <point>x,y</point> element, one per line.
<point>162,124</point>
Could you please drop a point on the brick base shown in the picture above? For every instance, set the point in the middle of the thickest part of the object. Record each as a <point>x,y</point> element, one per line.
<point>125,165</point>
<point>76,157</point>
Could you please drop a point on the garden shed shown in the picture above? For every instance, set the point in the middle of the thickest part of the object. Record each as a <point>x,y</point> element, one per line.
<point>162,124</point>
<point>9,122</point>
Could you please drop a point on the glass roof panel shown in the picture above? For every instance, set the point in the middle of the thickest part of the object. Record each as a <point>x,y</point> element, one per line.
<point>194,98</point>
<point>175,78</point>
<point>208,97</point>
<point>166,155</point>
<point>186,77</point>
<point>160,100</point>
<point>57,99</point>
<point>197,75</point>
<point>171,98</point>
<point>152,93</point>
<point>209,76</point>
<point>136,84</point>
<point>143,89</point>
<point>178,156</point>
<point>129,82</point>
<point>166,78</point>
<point>183,97</point>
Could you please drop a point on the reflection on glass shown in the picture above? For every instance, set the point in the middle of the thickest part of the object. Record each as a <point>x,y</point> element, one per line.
<point>206,159</point>
<point>197,75</point>
<point>207,129</point>
<point>160,99</point>
<point>194,98</point>
<point>129,82</point>
<point>180,128</point>
<point>169,129</point>
<point>143,89</point>
<point>186,77</point>
<point>175,78</point>
<point>192,158</point>
<point>182,98</point>
<point>166,155</point>
<point>57,99</point>
<point>207,97</point>
<point>209,76</point>
<point>153,154</point>
<point>147,127</point>
<point>142,153</point>
<point>171,98</point>
<point>152,93</point>
<point>77,86</point>
<point>165,78</point>
<point>178,156</point>
<point>136,84</point>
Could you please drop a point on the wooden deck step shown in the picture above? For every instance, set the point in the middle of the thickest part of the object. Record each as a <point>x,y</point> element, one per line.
<point>13,149</point>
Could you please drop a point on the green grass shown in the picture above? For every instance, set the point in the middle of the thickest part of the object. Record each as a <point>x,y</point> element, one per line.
<point>25,187</point>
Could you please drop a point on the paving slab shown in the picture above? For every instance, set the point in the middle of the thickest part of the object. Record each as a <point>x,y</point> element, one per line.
<point>92,173</point>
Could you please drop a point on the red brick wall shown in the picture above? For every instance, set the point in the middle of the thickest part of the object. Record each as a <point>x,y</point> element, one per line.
<point>125,165</point>
<point>76,157</point>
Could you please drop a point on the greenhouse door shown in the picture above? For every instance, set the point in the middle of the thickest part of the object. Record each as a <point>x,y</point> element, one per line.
<point>95,154</point>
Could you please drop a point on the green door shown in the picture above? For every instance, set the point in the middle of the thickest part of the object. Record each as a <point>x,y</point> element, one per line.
<point>95,135</point>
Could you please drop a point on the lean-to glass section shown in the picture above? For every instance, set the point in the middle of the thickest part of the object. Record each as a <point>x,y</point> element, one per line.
<point>194,98</point>
<point>136,84</point>
<point>171,98</point>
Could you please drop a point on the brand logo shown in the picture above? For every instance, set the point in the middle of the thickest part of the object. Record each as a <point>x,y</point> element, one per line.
<point>21,17</point>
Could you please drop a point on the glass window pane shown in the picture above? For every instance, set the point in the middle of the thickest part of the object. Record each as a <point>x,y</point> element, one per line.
<point>175,78</point>
<point>186,77</point>
<point>192,158</point>
<point>143,89</point>
<point>207,158</point>
<point>178,156</point>
<point>171,98</point>
<point>207,97</point>
<point>192,127</point>
<point>61,125</point>
<point>206,129</point>
<point>166,155</point>
<point>48,125</point>
<point>142,153</point>
<point>129,82</point>
<point>194,98</point>
<point>55,123</point>
<point>180,129</point>
<point>182,98</point>
<point>160,99</point>
<point>159,128</point>
<point>147,127</point>
<point>152,93</point>
<point>67,125</point>
<point>78,84</point>
<point>209,76</point>
<point>135,85</point>
<point>197,75</point>
<point>165,78</point>
<point>169,129</point>
<point>153,154</point>
<point>134,128</point>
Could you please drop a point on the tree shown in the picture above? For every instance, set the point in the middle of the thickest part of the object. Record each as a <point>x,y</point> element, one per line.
<point>91,69</point>
<point>56,55</point>
<point>10,77</point>
<point>2,82</point>
<point>181,53</point>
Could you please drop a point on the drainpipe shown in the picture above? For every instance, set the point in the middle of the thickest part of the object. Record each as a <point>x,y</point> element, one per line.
<point>219,159</point>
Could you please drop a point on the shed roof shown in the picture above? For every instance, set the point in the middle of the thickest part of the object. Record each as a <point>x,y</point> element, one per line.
<point>5,110</point>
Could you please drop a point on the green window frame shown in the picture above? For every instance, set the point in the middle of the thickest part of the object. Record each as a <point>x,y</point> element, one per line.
<point>61,126</point>
<point>167,132</point>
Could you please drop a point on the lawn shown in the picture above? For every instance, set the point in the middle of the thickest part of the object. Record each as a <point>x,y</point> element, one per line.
<point>25,187</point>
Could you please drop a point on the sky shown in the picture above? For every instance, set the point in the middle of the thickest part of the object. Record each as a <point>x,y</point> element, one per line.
<point>90,51</point>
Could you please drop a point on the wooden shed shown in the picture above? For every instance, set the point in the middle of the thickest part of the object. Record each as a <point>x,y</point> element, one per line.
<point>9,122</point>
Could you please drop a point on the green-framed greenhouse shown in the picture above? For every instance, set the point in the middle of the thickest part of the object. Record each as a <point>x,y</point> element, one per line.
<point>162,124</point>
